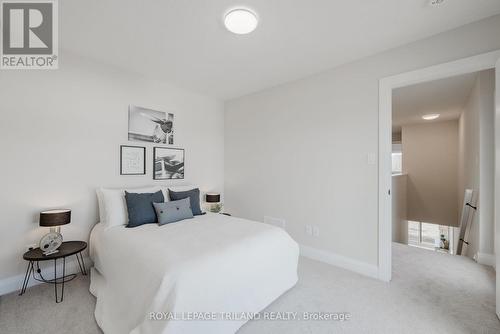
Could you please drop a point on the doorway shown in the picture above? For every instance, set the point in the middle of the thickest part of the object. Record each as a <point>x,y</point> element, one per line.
<point>386,87</point>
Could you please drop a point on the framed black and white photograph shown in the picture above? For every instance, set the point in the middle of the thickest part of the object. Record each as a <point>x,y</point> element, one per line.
<point>132,160</point>
<point>150,125</point>
<point>168,163</point>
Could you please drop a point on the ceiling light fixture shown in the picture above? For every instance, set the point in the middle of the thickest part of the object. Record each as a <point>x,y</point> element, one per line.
<point>436,3</point>
<point>430,117</point>
<point>241,21</point>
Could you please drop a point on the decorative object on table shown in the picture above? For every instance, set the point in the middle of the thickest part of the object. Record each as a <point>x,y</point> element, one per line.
<point>444,244</point>
<point>441,241</point>
<point>36,255</point>
<point>168,163</point>
<point>150,125</point>
<point>132,160</point>
<point>194,198</point>
<point>213,201</point>
<point>53,219</point>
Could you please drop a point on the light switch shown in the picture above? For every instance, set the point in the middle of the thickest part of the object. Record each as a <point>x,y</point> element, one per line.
<point>371,159</point>
<point>309,230</point>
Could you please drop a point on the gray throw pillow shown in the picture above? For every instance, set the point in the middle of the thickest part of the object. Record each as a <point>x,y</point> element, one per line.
<point>173,211</point>
<point>140,207</point>
<point>193,195</point>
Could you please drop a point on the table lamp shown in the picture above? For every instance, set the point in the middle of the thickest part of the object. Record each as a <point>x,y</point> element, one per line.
<point>214,202</point>
<point>53,219</point>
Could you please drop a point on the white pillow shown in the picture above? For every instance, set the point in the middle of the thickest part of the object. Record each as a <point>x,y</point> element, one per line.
<point>113,207</point>
<point>100,201</point>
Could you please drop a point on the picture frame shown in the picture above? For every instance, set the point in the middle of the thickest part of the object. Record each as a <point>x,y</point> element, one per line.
<point>132,160</point>
<point>168,163</point>
<point>150,125</point>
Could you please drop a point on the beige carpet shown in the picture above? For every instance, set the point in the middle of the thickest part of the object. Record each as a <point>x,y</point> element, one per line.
<point>430,293</point>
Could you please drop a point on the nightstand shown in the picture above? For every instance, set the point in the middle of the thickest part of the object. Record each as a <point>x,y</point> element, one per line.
<point>35,256</point>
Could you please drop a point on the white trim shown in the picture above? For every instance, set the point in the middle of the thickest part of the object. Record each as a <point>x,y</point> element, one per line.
<point>496,248</point>
<point>485,258</point>
<point>339,261</point>
<point>14,283</point>
<point>386,85</point>
<point>385,182</point>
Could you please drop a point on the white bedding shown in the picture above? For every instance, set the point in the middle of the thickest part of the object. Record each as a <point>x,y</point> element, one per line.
<point>211,263</point>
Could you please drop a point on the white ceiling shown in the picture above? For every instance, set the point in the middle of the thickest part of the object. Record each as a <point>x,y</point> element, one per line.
<point>446,97</point>
<point>184,41</point>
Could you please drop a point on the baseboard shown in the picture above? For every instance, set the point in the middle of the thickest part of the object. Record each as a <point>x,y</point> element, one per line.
<point>486,259</point>
<point>14,283</point>
<point>340,261</point>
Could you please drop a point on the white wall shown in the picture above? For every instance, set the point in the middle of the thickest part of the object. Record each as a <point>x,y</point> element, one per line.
<point>487,163</point>
<point>60,134</point>
<point>430,157</point>
<point>476,162</point>
<point>300,151</point>
<point>468,161</point>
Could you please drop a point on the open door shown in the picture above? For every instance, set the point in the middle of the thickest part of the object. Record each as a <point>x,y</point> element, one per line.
<point>497,183</point>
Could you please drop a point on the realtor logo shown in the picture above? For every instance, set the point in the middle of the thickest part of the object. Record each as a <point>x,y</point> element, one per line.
<point>29,35</point>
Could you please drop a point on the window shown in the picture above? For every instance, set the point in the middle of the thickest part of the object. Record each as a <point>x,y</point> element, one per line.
<point>413,233</point>
<point>425,235</point>
<point>397,163</point>
<point>397,159</point>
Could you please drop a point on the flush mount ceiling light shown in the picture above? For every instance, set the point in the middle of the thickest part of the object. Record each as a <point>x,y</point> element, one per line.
<point>430,117</point>
<point>241,21</point>
<point>436,3</point>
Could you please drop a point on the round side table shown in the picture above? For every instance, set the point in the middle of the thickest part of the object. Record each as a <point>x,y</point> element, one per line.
<point>35,256</point>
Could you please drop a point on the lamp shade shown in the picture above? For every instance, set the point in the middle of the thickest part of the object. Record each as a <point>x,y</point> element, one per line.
<point>52,218</point>
<point>212,198</point>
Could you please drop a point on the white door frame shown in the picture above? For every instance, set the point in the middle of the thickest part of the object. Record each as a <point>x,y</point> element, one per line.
<point>497,183</point>
<point>386,85</point>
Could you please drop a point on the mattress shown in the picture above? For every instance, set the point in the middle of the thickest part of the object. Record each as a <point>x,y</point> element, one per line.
<point>194,276</point>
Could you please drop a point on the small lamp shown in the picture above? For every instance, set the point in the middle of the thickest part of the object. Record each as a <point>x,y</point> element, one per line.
<point>214,202</point>
<point>53,219</point>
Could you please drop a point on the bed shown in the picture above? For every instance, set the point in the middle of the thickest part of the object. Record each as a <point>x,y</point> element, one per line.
<point>198,275</point>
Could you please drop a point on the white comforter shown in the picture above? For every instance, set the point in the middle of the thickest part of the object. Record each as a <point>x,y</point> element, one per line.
<point>212,263</point>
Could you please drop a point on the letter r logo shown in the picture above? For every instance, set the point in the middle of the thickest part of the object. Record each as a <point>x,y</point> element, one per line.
<point>27,28</point>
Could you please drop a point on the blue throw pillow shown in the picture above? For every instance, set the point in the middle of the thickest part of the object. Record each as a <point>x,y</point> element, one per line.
<point>140,207</point>
<point>193,195</point>
<point>173,211</point>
